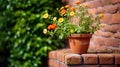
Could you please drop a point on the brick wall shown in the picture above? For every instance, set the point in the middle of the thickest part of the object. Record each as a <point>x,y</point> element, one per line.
<point>107,39</point>
<point>64,58</point>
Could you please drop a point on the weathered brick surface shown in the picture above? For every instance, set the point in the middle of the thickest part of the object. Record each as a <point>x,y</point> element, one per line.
<point>115,1</point>
<point>104,33</point>
<point>92,11</point>
<point>110,8</point>
<point>105,2</point>
<point>98,48</point>
<point>85,60</point>
<point>107,9</point>
<point>50,62</point>
<point>52,54</point>
<point>61,55</point>
<point>102,48</point>
<point>105,58</point>
<point>117,35</point>
<point>107,34</point>
<point>116,18</point>
<point>100,10</point>
<point>107,18</point>
<point>118,7</point>
<point>73,59</point>
<point>105,41</point>
<point>53,63</point>
<point>91,66</point>
<point>56,63</point>
<point>117,58</point>
<point>111,18</point>
<point>111,28</point>
<point>93,4</point>
<point>85,66</point>
<point>109,66</point>
<point>63,64</point>
<point>114,50</point>
<point>90,58</point>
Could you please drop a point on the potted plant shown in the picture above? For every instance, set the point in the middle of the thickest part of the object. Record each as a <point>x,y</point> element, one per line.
<point>74,23</point>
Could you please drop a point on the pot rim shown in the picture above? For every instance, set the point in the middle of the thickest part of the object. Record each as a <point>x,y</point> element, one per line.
<point>80,36</point>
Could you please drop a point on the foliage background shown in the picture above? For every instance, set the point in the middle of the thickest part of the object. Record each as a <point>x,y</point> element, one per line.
<point>22,42</point>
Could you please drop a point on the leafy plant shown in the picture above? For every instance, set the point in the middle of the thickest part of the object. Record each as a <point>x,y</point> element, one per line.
<point>64,25</point>
<point>21,27</point>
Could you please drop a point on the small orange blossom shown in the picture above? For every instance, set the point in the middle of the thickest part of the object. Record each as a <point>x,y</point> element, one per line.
<point>77,2</point>
<point>63,11</point>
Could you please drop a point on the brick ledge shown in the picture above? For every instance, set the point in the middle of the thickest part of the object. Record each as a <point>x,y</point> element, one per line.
<point>65,58</point>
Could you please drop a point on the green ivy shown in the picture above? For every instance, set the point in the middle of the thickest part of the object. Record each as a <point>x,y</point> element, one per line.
<point>21,32</point>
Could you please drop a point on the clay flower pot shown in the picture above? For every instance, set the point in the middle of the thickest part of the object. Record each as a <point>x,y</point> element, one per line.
<point>79,43</point>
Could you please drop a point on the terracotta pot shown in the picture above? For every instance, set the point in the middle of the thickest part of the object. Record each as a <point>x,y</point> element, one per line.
<point>79,43</point>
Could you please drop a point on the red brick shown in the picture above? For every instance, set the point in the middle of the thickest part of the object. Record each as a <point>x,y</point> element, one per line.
<point>50,62</point>
<point>107,34</point>
<point>118,7</point>
<point>115,1</point>
<point>90,58</point>
<point>61,55</point>
<point>116,18</point>
<point>97,40</point>
<point>92,11</point>
<point>98,48</point>
<point>58,54</point>
<point>102,48</point>
<point>87,66</point>
<point>109,66</point>
<point>107,18</point>
<point>111,28</point>
<point>73,59</point>
<point>66,53</point>
<point>113,50</point>
<point>55,63</point>
<point>53,54</point>
<point>100,10</point>
<point>110,8</point>
<point>105,2</point>
<point>103,33</point>
<point>106,41</point>
<point>105,58</point>
<point>117,58</point>
<point>97,45</point>
<point>117,35</point>
<point>93,4</point>
<point>49,54</point>
<point>92,47</point>
<point>63,65</point>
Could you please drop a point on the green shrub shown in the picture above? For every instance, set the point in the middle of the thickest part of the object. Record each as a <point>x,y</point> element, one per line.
<point>21,27</point>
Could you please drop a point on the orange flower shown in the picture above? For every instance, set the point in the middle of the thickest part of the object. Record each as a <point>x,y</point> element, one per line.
<point>73,8</point>
<point>63,11</point>
<point>49,27</point>
<point>53,27</point>
<point>77,2</point>
<point>67,6</point>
